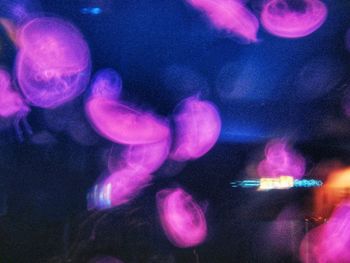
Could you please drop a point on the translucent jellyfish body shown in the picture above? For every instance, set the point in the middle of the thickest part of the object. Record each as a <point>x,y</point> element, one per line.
<point>53,62</point>
<point>106,83</point>
<point>181,217</point>
<point>329,242</point>
<point>229,15</point>
<point>124,124</point>
<point>280,160</point>
<point>143,158</point>
<point>197,128</point>
<point>293,19</point>
<point>12,105</point>
<point>117,189</point>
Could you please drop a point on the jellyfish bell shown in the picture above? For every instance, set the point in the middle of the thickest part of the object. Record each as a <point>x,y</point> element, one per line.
<point>143,158</point>
<point>182,219</point>
<point>12,105</point>
<point>230,16</point>
<point>197,128</point>
<point>53,62</point>
<point>285,18</point>
<point>106,83</point>
<point>117,189</point>
<point>125,124</point>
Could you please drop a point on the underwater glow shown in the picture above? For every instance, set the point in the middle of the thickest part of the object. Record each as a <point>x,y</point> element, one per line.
<point>198,126</point>
<point>181,217</point>
<point>229,15</point>
<point>290,19</point>
<point>124,124</point>
<point>330,241</point>
<point>53,62</point>
<point>281,160</point>
<point>117,189</point>
<point>282,182</point>
<point>106,83</point>
<point>142,158</point>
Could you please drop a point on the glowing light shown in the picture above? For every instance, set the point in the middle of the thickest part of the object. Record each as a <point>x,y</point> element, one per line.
<point>293,19</point>
<point>280,160</point>
<point>330,241</point>
<point>198,126</point>
<point>143,158</point>
<point>124,124</point>
<point>229,15</point>
<point>12,104</point>
<point>182,219</point>
<point>106,83</point>
<point>282,182</point>
<point>91,11</point>
<point>117,189</point>
<point>53,62</point>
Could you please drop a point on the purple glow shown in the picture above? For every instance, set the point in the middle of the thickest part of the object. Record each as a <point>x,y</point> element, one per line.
<point>229,15</point>
<point>281,160</point>
<point>198,127</point>
<point>106,83</point>
<point>143,158</point>
<point>53,62</point>
<point>117,189</point>
<point>11,103</point>
<point>282,19</point>
<point>124,124</point>
<point>329,242</point>
<point>181,217</point>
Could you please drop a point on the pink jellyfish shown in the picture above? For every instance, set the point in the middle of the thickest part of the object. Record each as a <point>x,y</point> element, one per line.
<point>118,122</point>
<point>280,160</point>
<point>142,158</point>
<point>53,62</point>
<point>198,127</point>
<point>12,105</point>
<point>117,189</point>
<point>329,242</point>
<point>181,217</point>
<point>293,19</point>
<point>231,16</point>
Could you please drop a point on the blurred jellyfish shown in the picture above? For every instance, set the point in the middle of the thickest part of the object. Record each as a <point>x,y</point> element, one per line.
<point>182,81</point>
<point>281,160</point>
<point>117,189</point>
<point>231,16</point>
<point>293,19</point>
<point>106,83</point>
<point>53,62</point>
<point>317,77</point>
<point>105,259</point>
<point>198,127</point>
<point>329,242</point>
<point>12,104</point>
<point>181,217</point>
<point>142,158</point>
<point>124,124</point>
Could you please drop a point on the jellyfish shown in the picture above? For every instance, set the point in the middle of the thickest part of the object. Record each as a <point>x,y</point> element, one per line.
<point>181,217</point>
<point>231,16</point>
<point>142,158</point>
<point>106,83</point>
<point>280,160</point>
<point>53,62</point>
<point>293,19</point>
<point>125,124</point>
<point>329,242</point>
<point>117,189</point>
<point>12,105</point>
<point>197,128</point>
